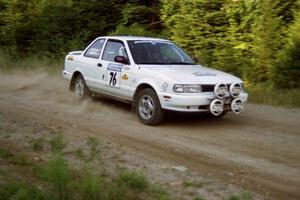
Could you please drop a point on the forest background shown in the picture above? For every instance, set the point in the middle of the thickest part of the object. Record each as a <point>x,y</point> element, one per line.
<point>258,40</point>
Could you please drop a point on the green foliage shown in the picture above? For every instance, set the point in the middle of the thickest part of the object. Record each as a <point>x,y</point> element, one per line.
<point>38,144</point>
<point>287,68</point>
<point>133,30</point>
<point>159,193</point>
<point>264,94</point>
<point>56,143</point>
<point>192,184</point>
<point>199,26</point>
<point>20,159</point>
<point>56,180</point>
<point>242,37</point>
<point>89,186</point>
<point>268,40</point>
<point>134,180</point>
<point>58,174</point>
<point>79,153</point>
<point>20,191</point>
<point>257,40</point>
<point>94,148</point>
<point>244,196</point>
<point>199,198</point>
<point>115,192</point>
<point>233,197</point>
<point>5,154</point>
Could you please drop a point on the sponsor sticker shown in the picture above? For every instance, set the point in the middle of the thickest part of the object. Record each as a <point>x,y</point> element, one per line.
<point>203,73</point>
<point>114,67</point>
<point>125,77</point>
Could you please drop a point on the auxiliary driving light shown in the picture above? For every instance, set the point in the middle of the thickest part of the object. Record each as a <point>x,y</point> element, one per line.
<point>220,90</point>
<point>216,107</point>
<point>235,90</point>
<point>236,105</point>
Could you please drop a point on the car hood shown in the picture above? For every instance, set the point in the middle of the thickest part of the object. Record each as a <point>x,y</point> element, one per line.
<point>193,74</point>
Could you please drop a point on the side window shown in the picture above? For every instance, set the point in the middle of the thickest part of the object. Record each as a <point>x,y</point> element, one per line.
<point>95,49</point>
<point>112,49</point>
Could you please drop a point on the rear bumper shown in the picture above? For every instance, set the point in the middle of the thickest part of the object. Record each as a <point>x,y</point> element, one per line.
<point>193,102</point>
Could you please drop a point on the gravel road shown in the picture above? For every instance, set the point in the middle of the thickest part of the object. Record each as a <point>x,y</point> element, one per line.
<point>258,150</point>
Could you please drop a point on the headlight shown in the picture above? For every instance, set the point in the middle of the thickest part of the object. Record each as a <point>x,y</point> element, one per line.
<point>187,88</point>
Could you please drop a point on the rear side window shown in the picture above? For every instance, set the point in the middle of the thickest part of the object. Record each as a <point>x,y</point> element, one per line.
<point>112,49</point>
<point>95,49</point>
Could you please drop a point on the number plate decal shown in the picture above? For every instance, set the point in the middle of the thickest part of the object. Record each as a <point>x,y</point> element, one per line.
<point>113,75</point>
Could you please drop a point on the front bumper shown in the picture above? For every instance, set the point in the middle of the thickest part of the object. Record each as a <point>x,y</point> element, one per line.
<point>67,75</point>
<point>194,102</point>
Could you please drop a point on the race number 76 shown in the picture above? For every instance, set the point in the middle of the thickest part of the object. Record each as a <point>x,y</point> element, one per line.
<point>113,80</point>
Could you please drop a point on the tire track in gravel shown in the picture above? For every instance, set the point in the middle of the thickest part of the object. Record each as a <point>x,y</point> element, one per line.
<point>259,147</point>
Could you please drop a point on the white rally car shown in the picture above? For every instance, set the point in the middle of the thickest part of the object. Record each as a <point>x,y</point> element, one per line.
<point>153,75</point>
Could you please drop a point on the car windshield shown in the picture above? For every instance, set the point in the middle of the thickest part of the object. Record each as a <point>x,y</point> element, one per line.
<point>158,52</point>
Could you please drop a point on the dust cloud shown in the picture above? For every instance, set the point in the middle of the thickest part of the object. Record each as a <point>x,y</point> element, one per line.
<point>40,86</point>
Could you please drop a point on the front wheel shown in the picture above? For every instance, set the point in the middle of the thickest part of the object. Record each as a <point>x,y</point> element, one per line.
<point>148,108</point>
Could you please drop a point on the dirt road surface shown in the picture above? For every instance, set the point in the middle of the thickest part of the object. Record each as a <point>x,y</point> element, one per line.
<point>258,150</point>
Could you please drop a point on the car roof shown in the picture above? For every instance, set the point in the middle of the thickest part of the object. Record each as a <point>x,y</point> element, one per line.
<point>133,38</point>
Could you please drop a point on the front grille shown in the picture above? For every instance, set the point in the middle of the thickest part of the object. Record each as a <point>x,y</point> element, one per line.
<point>210,88</point>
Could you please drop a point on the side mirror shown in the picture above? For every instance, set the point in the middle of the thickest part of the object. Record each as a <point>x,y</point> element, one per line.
<point>121,59</point>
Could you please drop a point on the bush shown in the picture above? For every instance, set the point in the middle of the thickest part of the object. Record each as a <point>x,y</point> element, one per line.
<point>58,174</point>
<point>20,191</point>
<point>264,94</point>
<point>134,180</point>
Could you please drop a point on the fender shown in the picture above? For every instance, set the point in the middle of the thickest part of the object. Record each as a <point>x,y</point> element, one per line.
<point>144,81</point>
<point>147,81</point>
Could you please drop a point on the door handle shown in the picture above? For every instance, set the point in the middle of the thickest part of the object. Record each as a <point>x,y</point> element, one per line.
<point>99,65</point>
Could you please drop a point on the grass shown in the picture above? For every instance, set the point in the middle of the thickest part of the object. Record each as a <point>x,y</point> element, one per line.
<point>60,182</point>
<point>79,154</point>
<point>199,198</point>
<point>19,160</point>
<point>38,144</point>
<point>244,196</point>
<point>14,190</point>
<point>57,143</point>
<point>134,180</point>
<point>58,174</point>
<point>196,184</point>
<point>94,149</point>
<point>10,63</point>
<point>264,94</point>
<point>90,186</point>
<point>5,154</point>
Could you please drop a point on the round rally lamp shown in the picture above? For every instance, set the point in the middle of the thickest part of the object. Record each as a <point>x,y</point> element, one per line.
<point>220,90</point>
<point>216,107</point>
<point>235,90</point>
<point>236,105</point>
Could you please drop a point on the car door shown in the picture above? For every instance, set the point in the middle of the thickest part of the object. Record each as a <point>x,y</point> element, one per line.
<point>117,75</point>
<point>92,66</point>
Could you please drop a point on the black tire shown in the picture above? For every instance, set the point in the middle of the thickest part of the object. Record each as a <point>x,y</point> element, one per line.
<point>148,108</point>
<point>80,88</point>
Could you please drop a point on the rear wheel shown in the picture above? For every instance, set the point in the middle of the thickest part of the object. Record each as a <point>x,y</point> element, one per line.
<point>80,88</point>
<point>148,108</point>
